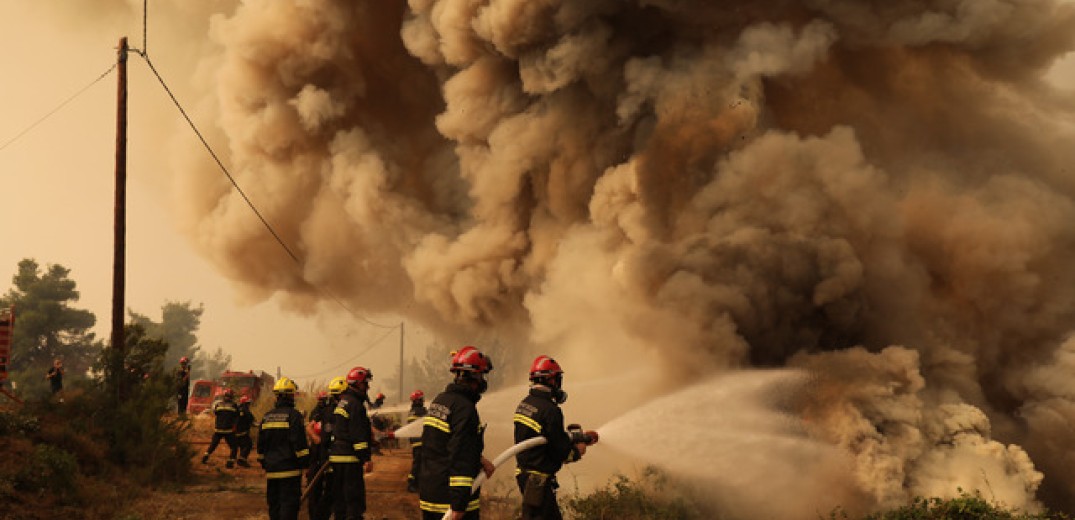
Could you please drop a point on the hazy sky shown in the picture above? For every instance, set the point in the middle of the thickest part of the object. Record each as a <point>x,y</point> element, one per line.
<point>58,194</point>
<point>59,182</point>
<point>877,193</point>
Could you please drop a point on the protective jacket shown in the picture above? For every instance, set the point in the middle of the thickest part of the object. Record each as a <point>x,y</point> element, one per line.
<point>351,430</point>
<point>244,421</point>
<point>452,445</point>
<point>182,378</point>
<point>227,414</point>
<point>282,448</point>
<point>538,414</point>
<point>319,412</point>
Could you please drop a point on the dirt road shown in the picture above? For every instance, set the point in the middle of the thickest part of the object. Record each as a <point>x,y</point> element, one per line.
<point>218,493</point>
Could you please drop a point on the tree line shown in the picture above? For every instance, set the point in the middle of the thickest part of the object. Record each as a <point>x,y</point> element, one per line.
<point>49,325</point>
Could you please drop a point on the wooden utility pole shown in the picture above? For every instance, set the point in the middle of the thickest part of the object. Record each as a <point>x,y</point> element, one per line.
<point>119,241</point>
<point>401,362</point>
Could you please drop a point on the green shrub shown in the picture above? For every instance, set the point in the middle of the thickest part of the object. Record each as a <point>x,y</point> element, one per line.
<point>50,469</point>
<point>967,506</point>
<point>18,424</point>
<point>624,499</point>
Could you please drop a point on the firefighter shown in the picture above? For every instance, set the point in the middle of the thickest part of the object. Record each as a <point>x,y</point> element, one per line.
<point>377,401</point>
<point>418,411</point>
<point>226,414</point>
<point>283,453</point>
<point>317,413</point>
<point>452,442</point>
<point>243,423</point>
<point>350,451</point>
<point>320,430</point>
<point>182,384</point>
<point>539,414</point>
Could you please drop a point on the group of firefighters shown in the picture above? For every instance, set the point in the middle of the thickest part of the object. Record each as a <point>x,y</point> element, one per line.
<point>334,449</point>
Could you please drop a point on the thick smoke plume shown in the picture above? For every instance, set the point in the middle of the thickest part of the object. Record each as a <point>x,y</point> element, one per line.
<point>879,192</point>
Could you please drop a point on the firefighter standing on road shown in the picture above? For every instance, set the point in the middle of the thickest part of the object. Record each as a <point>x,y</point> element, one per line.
<point>417,412</point>
<point>226,414</point>
<point>452,442</point>
<point>242,431</point>
<point>182,385</point>
<point>320,505</point>
<point>283,453</point>
<point>539,414</point>
<point>350,451</point>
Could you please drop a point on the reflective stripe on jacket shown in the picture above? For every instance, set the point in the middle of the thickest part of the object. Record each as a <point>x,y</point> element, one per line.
<point>536,415</point>
<point>351,430</point>
<point>452,445</point>
<point>282,448</point>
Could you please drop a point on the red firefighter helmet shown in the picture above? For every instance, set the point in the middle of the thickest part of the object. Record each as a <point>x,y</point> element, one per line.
<point>470,359</point>
<point>359,375</point>
<point>183,360</point>
<point>379,397</point>
<point>322,395</point>
<point>244,399</point>
<point>416,395</point>
<point>229,394</point>
<point>544,366</point>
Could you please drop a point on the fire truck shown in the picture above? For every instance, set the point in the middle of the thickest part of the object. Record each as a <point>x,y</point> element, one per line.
<point>205,392</point>
<point>7,329</point>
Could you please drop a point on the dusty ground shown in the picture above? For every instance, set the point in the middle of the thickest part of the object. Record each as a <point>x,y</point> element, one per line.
<point>239,493</point>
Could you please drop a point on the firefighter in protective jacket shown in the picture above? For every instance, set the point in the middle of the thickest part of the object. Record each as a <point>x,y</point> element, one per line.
<point>319,490</point>
<point>452,442</point>
<point>225,414</point>
<point>539,414</point>
<point>350,451</point>
<point>283,453</point>
<point>417,413</point>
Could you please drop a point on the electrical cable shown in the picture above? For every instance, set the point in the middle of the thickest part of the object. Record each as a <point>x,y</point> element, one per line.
<point>348,360</point>
<point>235,184</point>
<point>57,109</point>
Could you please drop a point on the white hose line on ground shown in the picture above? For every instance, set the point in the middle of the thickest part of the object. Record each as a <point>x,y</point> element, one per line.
<point>500,459</point>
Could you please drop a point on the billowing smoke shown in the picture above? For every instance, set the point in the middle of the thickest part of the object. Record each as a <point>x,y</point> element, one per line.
<point>879,192</point>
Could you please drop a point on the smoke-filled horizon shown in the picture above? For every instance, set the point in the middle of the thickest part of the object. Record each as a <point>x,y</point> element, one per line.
<point>879,192</point>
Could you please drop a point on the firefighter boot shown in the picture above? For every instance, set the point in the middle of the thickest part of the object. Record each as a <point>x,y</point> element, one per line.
<point>205,459</point>
<point>243,463</point>
<point>230,464</point>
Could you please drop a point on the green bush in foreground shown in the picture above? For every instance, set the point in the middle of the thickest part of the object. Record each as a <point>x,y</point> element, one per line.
<point>624,499</point>
<point>965,507</point>
<point>49,469</point>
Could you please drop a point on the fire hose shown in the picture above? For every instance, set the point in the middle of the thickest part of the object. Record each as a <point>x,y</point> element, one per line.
<point>317,476</point>
<point>500,459</point>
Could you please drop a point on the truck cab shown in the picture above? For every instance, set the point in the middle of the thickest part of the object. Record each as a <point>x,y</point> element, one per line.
<point>201,396</point>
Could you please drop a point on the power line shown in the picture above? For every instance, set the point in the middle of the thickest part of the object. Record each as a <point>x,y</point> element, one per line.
<point>249,203</point>
<point>57,109</point>
<point>350,359</point>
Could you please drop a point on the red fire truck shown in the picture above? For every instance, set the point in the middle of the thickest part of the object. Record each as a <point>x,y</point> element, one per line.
<point>204,392</point>
<point>7,328</point>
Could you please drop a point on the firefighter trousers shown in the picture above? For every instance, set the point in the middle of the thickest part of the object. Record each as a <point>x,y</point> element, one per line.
<point>229,439</point>
<point>349,490</point>
<point>416,463</point>
<point>548,509</point>
<point>470,515</point>
<point>181,401</point>
<point>244,444</point>
<point>320,505</point>
<point>283,496</point>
